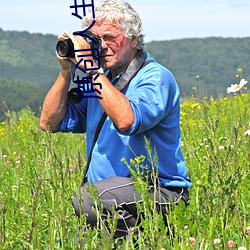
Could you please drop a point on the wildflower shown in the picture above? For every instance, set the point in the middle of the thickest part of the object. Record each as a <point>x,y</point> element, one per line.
<point>221,147</point>
<point>216,241</point>
<point>132,162</point>
<point>198,182</point>
<point>248,230</point>
<point>237,87</point>
<point>242,248</point>
<point>247,133</point>
<point>45,216</point>
<point>123,160</point>
<point>195,106</point>
<point>192,240</point>
<point>230,244</point>
<point>137,159</point>
<point>14,188</point>
<point>240,70</point>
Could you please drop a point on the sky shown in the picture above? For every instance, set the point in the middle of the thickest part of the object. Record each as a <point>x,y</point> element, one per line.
<point>162,19</point>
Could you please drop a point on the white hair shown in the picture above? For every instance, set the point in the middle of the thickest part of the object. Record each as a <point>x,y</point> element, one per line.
<point>120,13</point>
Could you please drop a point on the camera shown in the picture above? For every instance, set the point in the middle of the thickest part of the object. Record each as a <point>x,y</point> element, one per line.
<point>65,48</point>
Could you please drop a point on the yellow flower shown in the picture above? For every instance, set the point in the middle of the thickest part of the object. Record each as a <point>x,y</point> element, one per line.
<point>132,162</point>
<point>195,105</point>
<point>240,70</point>
<point>138,160</point>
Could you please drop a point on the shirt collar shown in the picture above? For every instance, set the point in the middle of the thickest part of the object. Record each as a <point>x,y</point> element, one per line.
<point>115,80</point>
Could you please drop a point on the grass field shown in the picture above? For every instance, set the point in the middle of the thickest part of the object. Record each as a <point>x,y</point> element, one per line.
<point>40,172</point>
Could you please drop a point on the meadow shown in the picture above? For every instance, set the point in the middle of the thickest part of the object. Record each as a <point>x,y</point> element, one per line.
<point>40,172</point>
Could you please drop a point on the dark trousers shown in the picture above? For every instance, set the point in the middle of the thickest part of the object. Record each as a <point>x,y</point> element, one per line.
<point>119,194</point>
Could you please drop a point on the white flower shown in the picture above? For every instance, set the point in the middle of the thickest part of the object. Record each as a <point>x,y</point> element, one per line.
<point>242,248</point>
<point>247,133</point>
<point>192,240</point>
<point>217,241</point>
<point>237,87</point>
<point>248,230</point>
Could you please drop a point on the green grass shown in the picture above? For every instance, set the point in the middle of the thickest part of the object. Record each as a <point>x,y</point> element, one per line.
<point>40,172</point>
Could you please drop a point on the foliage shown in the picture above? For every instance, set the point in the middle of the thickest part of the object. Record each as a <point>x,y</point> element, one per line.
<point>28,68</point>
<point>19,94</point>
<point>40,172</point>
<point>28,57</point>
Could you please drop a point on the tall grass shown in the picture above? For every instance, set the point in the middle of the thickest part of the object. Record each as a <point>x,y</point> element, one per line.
<point>40,172</point>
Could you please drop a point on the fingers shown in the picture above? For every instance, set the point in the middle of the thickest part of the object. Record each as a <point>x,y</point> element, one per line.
<point>65,35</point>
<point>78,41</point>
<point>81,48</point>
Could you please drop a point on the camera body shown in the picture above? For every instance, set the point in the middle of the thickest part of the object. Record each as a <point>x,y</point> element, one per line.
<point>65,48</point>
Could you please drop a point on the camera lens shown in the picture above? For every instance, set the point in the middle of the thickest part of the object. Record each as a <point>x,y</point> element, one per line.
<point>75,95</point>
<point>65,48</point>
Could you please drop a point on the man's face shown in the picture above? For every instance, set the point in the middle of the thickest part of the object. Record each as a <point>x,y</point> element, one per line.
<point>118,50</point>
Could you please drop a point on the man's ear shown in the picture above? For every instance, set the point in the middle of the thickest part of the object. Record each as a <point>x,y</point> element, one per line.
<point>134,42</point>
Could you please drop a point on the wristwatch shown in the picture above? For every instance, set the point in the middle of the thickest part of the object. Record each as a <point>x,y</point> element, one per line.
<point>94,72</point>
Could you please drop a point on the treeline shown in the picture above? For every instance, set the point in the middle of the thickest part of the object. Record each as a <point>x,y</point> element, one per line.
<point>28,68</point>
<point>16,95</point>
<point>204,67</point>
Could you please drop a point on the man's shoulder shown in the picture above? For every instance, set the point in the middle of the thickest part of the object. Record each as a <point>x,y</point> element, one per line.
<point>155,69</point>
<point>153,63</point>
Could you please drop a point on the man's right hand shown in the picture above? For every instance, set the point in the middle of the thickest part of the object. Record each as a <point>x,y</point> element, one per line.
<point>66,63</point>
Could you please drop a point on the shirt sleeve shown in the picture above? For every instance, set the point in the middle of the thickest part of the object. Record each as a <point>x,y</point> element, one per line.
<point>153,97</point>
<point>75,118</point>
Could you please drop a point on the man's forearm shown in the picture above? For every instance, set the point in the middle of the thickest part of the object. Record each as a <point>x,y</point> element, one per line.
<point>55,103</point>
<point>115,104</point>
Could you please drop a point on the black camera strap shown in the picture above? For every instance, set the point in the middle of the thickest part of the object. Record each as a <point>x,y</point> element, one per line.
<point>136,64</point>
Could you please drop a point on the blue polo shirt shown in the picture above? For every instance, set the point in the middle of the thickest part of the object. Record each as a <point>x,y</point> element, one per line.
<point>154,97</point>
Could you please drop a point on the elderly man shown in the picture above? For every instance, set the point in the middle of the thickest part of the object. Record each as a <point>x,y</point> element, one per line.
<point>141,100</point>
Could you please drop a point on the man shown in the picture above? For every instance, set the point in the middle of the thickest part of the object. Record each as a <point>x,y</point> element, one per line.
<point>141,100</point>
